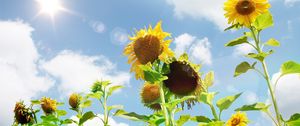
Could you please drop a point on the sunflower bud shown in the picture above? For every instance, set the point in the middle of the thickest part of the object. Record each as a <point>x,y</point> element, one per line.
<point>48,105</point>
<point>74,100</point>
<point>22,114</point>
<point>150,93</point>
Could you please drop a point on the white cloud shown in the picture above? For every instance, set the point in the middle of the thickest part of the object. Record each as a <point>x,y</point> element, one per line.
<point>98,122</point>
<point>97,26</point>
<point>290,3</point>
<point>287,93</point>
<point>211,10</point>
<point>119,36</point>
<point>199,49</point>
<point>242,49</point>
<point>19,74</point>
<point>77,72</point>
<point>251,97</point>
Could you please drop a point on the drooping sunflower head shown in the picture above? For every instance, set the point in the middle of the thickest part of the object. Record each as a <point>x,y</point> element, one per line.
<point>22,114</point>
<point>238,119</point>
<point>244,12</point>
<point>149,94</point>
<point>183,78</point>
<point>48,105</point>
<point>148,45</point>
<point>74,100</point>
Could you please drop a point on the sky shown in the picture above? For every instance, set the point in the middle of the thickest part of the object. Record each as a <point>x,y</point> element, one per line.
<point>44,56</point>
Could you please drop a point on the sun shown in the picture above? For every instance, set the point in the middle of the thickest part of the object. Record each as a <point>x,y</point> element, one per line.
<point>50,7</point>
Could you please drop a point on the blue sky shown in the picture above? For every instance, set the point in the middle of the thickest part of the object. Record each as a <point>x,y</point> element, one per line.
<point>56,57</point>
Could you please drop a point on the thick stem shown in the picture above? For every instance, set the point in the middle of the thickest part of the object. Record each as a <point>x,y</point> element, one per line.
<point>105,108</point>
<point>214,112</point>
<point>163,107</point>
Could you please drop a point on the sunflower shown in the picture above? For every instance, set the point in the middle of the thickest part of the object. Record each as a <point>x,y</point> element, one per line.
<point>149,94</point>
<point>238,119</point>
<point>244,12</point>
<point>146,46</point>
<point>48,105</point>
<point>74,100</point>
<point>22,114</point>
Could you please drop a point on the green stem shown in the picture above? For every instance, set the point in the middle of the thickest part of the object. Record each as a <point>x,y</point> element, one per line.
<point>214,112</point>
<point>266,75</point>
<point>105,108</point>
<point>269,114</point>
<point>163,102</point>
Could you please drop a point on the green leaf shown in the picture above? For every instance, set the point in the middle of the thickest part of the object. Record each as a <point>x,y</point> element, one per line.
<point>61,112</point>
<point>114,107</point>
<point>290,67</point>
<point>131,115</point>
<point>242,68</point>
<point>96,95</point>
<point>200,119</point>
<point>272,42</point>
<point>86,116</point>
<point>49,118</point>
<point>254,107</point>
<point>182,119</point>
<point>248,34</point>
<point>209,79</point>
<point>217,123</point>
<point>237,41</point>
<point>86,104</point>
<point>35,102</point>
<point>225,103</point>
<point>235,26</point>
<point>165,68</point>
<point>260,56</point>
<point>263,21</point>
<point>152,76</point>
<point>68,121</point>
<point>114,88</point>
<point>207,98</point>
<point>294,117</point>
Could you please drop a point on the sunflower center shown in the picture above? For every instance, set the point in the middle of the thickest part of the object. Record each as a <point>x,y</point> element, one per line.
<point>182,79</point>
<point>235,122</point>
<point>147,49</point>
<point>150,93</point>
<point>245,7</point>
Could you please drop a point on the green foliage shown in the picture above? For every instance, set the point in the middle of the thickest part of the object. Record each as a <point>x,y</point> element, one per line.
<point>254,107</point>
<point>207,98</point>
<point>272,42</point>
<point>131,115</point>
<point>182,119</point>
<point>209,79</point>
<point>86,116</point>
<point>294,120</point>
<point>243,68</point>
<point>260,56</point>
<point>215,123</point>
<point>290,67</point>
<point>263,21</point>
<point>202,119</point>
<point>225,103</point>
<point>234,26</point>
<point>237,41</point>
<point>151,75</point>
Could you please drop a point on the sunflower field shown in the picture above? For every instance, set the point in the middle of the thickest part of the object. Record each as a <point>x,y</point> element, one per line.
<point>173,85</point>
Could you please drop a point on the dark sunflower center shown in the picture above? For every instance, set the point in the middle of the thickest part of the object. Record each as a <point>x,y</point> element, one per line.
<point>245,7</point>
<point>235,122</point>
<point>147,49</point>
<point>182,79</point>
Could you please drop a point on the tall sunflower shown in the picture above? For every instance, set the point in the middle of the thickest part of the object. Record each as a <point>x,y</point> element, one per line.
<point>238,119</point>
<point>244,12</point>
<point>48,105</point>
<point>146,46</point>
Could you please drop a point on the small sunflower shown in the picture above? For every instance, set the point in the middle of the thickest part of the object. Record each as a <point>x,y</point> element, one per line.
<point>48,105</point>
<point>147,46</point>
<point>238,119</point>
<point>244,12</point>
<point>149,94</point>
<point>22,114</point>
<point>74,100</point>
